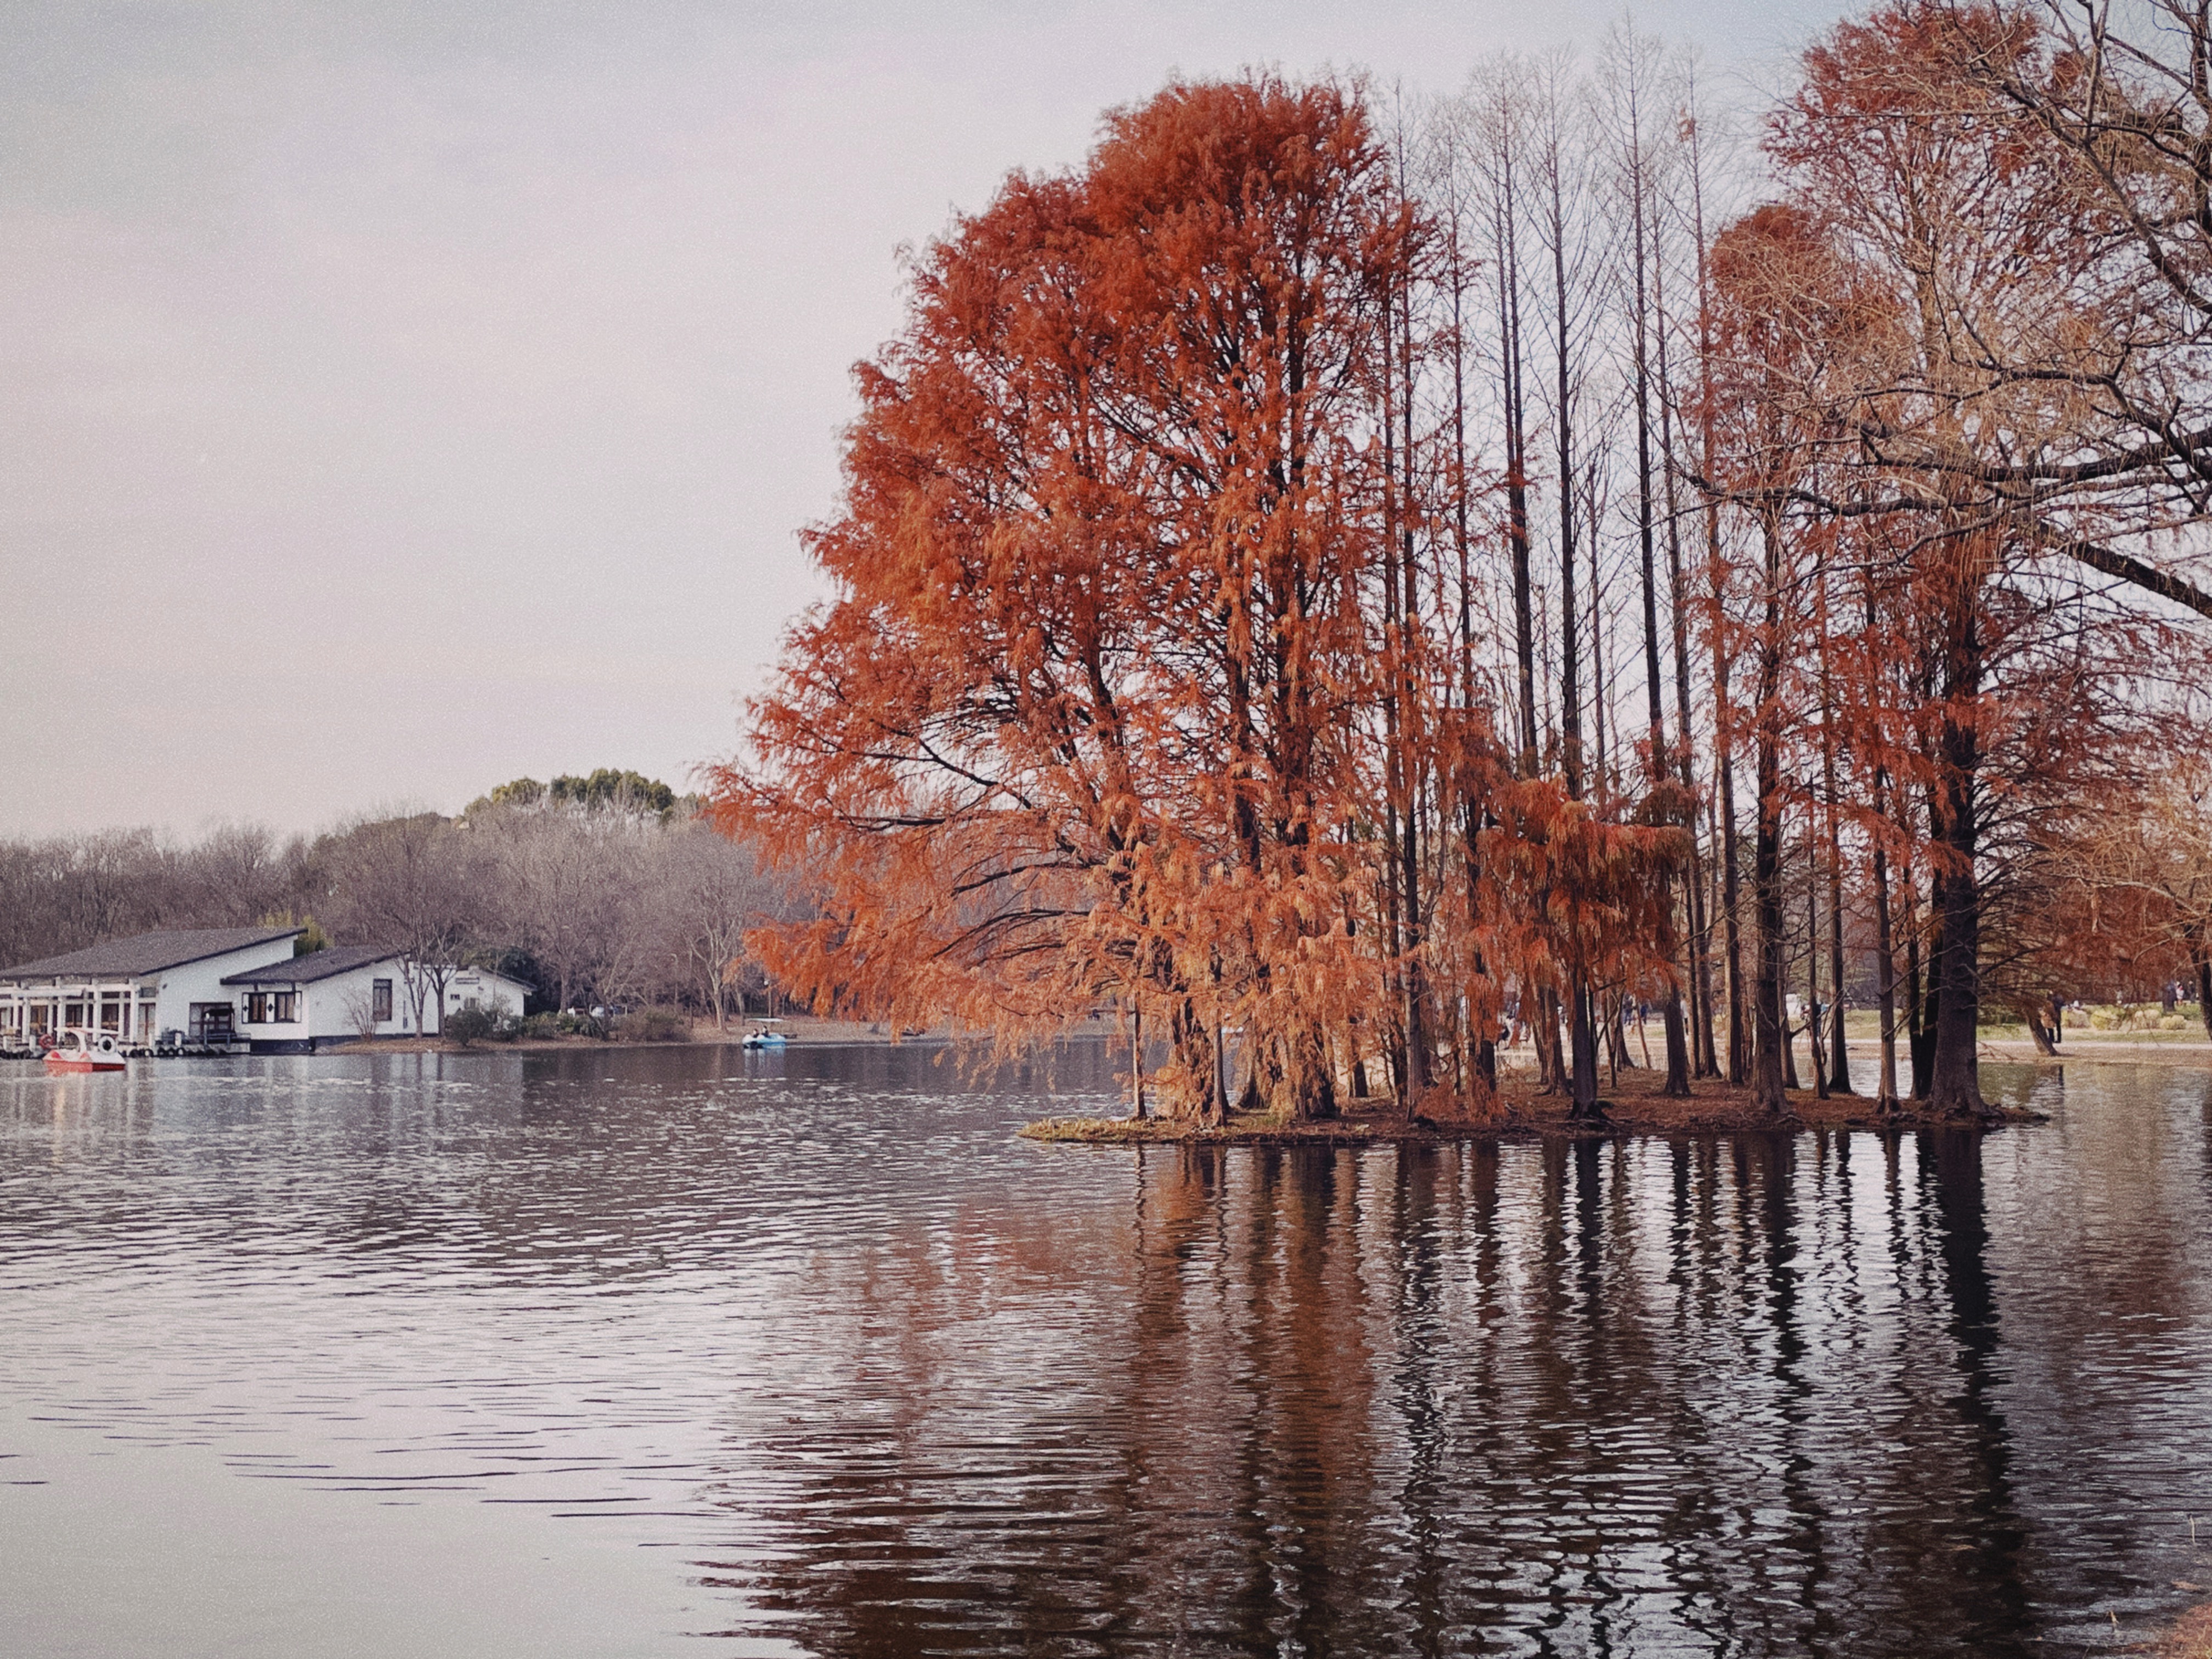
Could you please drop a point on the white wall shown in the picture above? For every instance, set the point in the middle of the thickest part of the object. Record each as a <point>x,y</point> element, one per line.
<point>202,982</point>
<point>330,1002</point>
<point>325,1008</point>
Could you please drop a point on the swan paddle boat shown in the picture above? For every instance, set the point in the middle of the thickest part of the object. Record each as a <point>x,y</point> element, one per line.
<point>85,1051</point>
<point>765,1035</point>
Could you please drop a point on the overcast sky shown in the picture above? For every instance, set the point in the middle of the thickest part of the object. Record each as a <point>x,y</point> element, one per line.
<point>400,396</point>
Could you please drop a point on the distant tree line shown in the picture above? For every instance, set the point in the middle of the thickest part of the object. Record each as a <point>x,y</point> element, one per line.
<point>609,889</point>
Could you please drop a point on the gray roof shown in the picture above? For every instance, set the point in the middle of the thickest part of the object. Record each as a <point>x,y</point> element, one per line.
<point>148,953</point>
<point>315,965</point>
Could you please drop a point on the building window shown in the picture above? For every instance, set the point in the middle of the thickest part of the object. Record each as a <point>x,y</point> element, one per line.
<point>379,999</point>
<point>283,1007</point>
<point>256,1007</point>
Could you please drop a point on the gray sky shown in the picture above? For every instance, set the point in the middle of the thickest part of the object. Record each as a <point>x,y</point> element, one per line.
<point>399,396</point>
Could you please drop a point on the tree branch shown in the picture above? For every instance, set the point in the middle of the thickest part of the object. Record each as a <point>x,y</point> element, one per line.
<point>2137,574</point>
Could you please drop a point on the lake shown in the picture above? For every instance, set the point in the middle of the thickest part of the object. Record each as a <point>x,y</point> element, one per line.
<point>698,1351</point>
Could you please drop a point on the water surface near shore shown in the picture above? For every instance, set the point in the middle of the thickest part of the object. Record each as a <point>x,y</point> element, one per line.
<point>693,1351</point>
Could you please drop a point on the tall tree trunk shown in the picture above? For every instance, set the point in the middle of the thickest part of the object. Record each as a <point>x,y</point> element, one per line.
<point>1481,999</point>
<point>1739,1058</point>
<point>1838,1077</point>
<point>1955,1087</point>
<point>1770,1036</point>
<point>1411,723</point>
<point>1585,1109</point>
<point>1839,1064</point>
<point>1922,944</point>
<point>1703,1060</point>
<point>1136,1059</point>
<point>1739,1045</point>
<point>1816,1050</point>
<point>1886,1100</point>
<point>1395,757</point>
<point>1506,233</point>
<point>1582,1036</point>
<point>1198,1058</point>
<point>1544,1031</point>
<point>1678,1054</point>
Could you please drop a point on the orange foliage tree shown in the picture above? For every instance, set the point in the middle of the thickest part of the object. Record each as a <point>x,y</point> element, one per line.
<point>1080,722</point>
<point>1988,682</point>
<point>1186,656</point>
<point>1140,684</point>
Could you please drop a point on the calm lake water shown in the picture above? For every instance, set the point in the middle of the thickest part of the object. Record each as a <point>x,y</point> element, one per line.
<point>696,1351</point>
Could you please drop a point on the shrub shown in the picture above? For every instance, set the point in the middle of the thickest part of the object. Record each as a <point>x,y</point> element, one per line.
<point>653,1025</point>
<point>563,1024</point>
<point>2171,1023</point>
<point>468,1025</point>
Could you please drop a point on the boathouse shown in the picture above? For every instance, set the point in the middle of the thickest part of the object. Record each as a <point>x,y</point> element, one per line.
<point>141,986</point>
<point>231,988</point>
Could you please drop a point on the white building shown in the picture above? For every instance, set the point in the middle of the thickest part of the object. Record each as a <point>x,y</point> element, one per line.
<point>217,986</point>
<point>303,1003</point>
<point>141,986</point>
<point>486,988</point>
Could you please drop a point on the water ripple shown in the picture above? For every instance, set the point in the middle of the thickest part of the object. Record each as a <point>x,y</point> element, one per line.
<point>618,1353</point>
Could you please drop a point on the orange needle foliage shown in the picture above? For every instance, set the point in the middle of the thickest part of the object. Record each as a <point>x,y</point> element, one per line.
<point>1086,719</point>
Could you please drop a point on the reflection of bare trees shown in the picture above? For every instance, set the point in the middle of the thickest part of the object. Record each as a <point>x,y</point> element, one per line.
<point>1843,1395</point>
<point>1702,1396</point>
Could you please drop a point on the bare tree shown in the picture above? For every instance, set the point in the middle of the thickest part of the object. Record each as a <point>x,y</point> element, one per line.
<point>1631,74</point>
<point>414,885</point>
<point>719,894</point>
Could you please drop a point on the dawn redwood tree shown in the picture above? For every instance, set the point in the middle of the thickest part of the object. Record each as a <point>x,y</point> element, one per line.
<point>2168,860</point>
<point>1970,229</point>
<point>1559,177</point>
<point>2111,887</point>
<point>1079,722</point>
<point>1787,311</point>
<point>1721,804</point>
<point>1631,83</point>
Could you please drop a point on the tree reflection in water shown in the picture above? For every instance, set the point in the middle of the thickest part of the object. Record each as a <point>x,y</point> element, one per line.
<point>872,1376</point>
<point>1743,1395</point>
